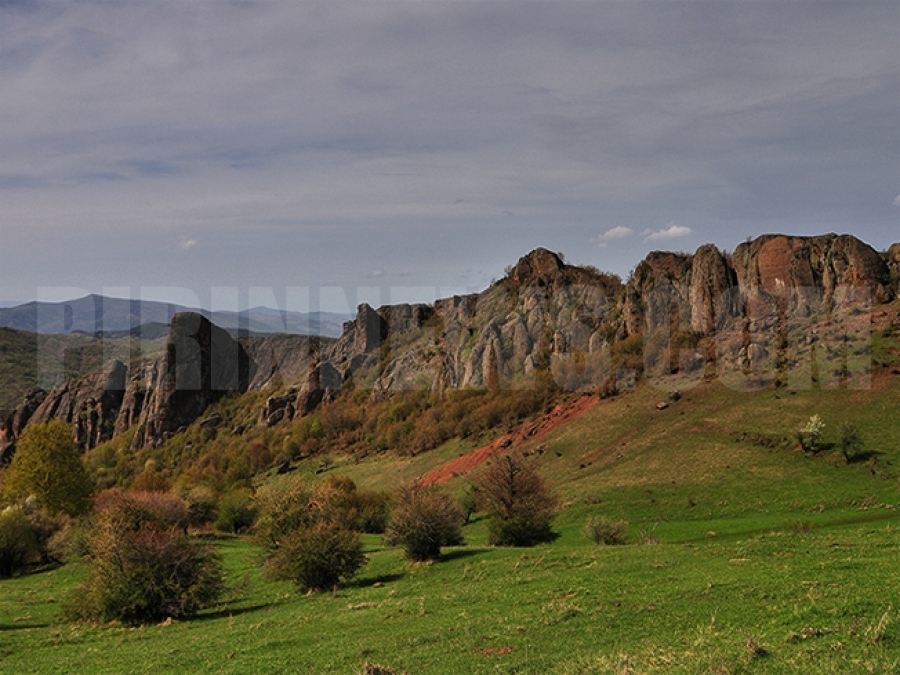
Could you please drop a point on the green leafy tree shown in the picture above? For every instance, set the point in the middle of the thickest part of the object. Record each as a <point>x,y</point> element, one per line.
<point>47,465</point>
<point>851,440</point>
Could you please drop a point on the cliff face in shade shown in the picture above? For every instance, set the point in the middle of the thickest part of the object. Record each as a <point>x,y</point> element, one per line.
<point>200,364</point>
<point>893,263</point>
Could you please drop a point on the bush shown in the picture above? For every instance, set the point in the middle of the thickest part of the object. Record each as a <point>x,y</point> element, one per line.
<point>518,502</point>
<point>851,440</point>
<point>143,570</point>
<point>236,512</point>
<point>318,556</point>
<point>283,505</point>
<point>18,543</point>
<point>810,436</point>
<point>307,532</point>
<point>605,531</point>
<point>201,503</point>
<point>52,531</point>
<point>340,502</point>
<point>166,509</point>
<point>423,520</point>
<point>372,511</point>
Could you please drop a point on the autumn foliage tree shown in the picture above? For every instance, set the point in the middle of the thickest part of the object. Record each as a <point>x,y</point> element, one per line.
<point>518,502</point>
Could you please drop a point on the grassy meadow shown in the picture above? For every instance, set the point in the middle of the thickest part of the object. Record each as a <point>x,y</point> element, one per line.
<point>744,555</point>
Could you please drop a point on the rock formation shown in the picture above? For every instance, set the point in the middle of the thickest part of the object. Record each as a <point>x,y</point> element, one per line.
<point>544,314</point>
<point>200,364</point>
<point>807,274</point>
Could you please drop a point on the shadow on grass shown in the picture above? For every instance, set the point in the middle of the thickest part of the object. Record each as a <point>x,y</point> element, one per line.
<point>861,457</point>
<point>366,582</point>
<point>459,553</point>
<point>22,626</point>
<point>226,612</point>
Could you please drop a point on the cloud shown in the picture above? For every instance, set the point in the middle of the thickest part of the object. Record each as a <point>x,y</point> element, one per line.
<point>325,137</point>
<point>618,232</point>
<point>897,201</point>
<point>673,231</point>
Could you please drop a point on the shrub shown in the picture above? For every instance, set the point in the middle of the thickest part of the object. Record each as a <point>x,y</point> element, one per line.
<point>166,509</point>
<point>518,502</point>
<point>51,531</point>
<point>307,532</point>
<point>605,531</point>
<point>851,440</point>
<point>282,506</point>
<point>318,556</point>
<point>143,570</point>
<point>201,503</point>
<point>423,519</point>
<point>810,435</point>
<point>339,501</point>
<point>372,511</point>
<point>236,512</point>
<point>18,544</point>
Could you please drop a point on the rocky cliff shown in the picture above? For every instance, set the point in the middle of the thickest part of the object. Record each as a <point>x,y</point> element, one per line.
<point>544,314</point>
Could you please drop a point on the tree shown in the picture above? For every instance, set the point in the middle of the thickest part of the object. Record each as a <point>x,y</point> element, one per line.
<point>851,440</point>
<point>423,520</point>
<point>47,465</point>
<point>518,502</point>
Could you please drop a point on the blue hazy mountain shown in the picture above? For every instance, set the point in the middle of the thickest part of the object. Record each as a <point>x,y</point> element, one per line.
<point>99,315</point>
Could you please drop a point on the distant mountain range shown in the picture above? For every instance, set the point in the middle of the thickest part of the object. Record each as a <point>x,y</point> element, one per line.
<point>97,315</point>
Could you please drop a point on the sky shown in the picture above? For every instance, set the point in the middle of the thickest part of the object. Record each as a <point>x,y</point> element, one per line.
<point>315,154</point>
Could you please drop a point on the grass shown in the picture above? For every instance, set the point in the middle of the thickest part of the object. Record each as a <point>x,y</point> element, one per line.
<point>772,602</point>
<point>768,561</point>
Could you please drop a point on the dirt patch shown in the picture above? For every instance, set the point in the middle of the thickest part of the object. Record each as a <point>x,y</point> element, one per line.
<point>593,457</point>
<point>562,413</point>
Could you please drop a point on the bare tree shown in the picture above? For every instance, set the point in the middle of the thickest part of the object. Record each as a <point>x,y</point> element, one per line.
<point>518,501</point>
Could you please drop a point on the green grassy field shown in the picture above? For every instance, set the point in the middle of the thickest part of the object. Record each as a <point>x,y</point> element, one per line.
<point>768,561</point>
<point>771,602</point>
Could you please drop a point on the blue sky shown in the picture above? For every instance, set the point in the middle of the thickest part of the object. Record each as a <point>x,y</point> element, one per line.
<point>414,149</point>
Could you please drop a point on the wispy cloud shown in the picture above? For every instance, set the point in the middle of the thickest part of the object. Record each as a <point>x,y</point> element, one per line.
<point>186,244</point>
<point>617,233</point>
<point>672,231</point>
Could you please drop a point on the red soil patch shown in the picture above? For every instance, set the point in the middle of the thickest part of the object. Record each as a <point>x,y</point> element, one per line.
<point>593,457</point>
<point>562,413</point>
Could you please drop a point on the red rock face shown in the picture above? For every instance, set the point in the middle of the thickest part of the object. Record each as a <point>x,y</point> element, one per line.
<point>773,262</point>
<point>797,269</point>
